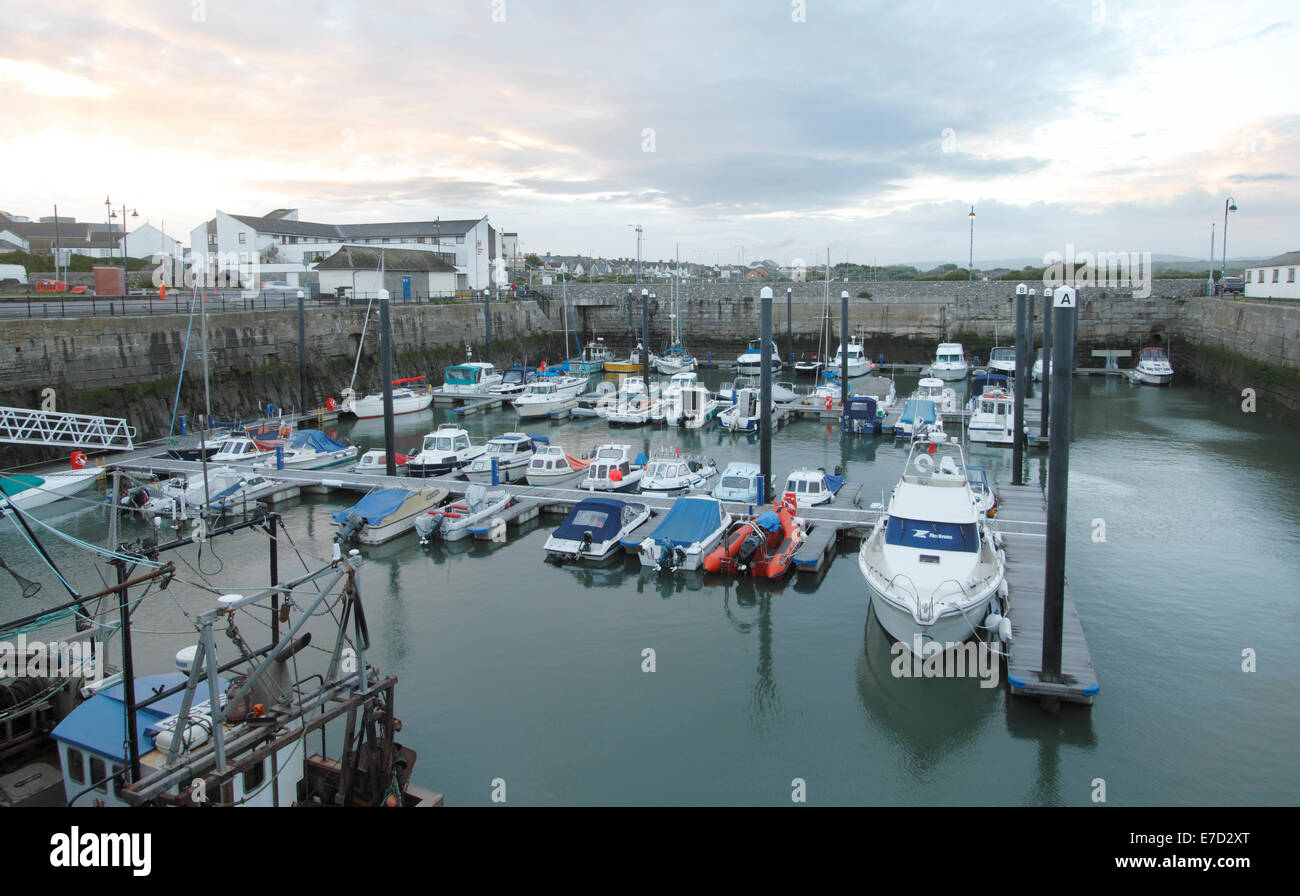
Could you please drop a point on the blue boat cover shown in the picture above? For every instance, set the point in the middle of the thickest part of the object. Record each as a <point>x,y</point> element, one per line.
<point>931,535</point>
<point>690,520</point>
<point>376,506</point>
<point>768,520</point>
<point>599,516</point>
<point>314,438</point>
<point>861,407</point>
<point>918,411</point>
<point>834,482</point>
<point>541,440</point>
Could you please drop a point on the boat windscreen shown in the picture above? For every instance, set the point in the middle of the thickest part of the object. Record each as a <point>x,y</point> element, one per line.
<point>931,535</point>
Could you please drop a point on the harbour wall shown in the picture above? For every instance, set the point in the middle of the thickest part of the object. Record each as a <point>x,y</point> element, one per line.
<point>128,366</point>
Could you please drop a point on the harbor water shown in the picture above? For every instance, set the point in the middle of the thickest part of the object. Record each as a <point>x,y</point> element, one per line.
<point>1183,559</point>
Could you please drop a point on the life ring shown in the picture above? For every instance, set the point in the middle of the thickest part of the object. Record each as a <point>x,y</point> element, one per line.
<point>78,460</point>
<point>924,463</point>
<point>330,404</point>
<point>829,402</point>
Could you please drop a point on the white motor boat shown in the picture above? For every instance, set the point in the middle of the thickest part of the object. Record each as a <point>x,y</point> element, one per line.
<point>918,416</point>
<point>29,490</point>
<point>949,362</point>
<point>750,361</point>
<point>511,452</point>
<point>739,482</point>
<point>470,379</point>
<point>594,530</point>
<point>669,472</point>
<point>632,407</point>
<point>694,408</point>
<point>552,465</point>
<point>309,449</point>
<point>470,515</point>
<point>226,490</point>
<point>931,565</point>
<point>443,451</point>
<point>1003,360</point>
<point>993,418</point>
<point>385,513</point>
<point>594,356</point>
<point>1153,367</point>
<point>547,396</point>
<point>859,363</point>
<point>931,388</point>
<point>513,381</point>
<point>242,449</point>
<point>690,530</point>
<point>406,400</point>
<point>376,462</point>
<point>613,469</point>
<point>744,414</point>
<point>812,487</point>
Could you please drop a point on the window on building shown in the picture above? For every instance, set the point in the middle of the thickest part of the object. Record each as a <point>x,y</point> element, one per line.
<point>1290,275</point>
<point>241,238</point>
<point>460,240</point>
<point>254,777</point>
<point>1276,272</point>
<point>293,240</point>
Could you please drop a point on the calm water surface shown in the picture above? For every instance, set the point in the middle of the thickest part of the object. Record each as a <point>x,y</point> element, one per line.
<point>512,668</point>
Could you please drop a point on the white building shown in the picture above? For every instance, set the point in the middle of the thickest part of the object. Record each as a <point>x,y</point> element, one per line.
<point>364,270</point>
<point>285,246</point>
<point>1274,278</point>
<point>147,241</point>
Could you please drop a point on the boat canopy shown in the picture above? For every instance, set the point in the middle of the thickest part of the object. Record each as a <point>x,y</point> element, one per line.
<point>986,382</point>
<point>13,483</point>
<point>1153,353</point>
<point>918,411</point>
<point>462,375</point>
<point>691,520</point>
<point>314,438</point>
<point>769,521</point>
<point>601,517</point>
<point>96,725</point>
<point>861,407</point>
<point>376,506</point>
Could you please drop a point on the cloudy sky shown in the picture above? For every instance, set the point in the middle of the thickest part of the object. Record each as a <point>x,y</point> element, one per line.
<point>782,127</point>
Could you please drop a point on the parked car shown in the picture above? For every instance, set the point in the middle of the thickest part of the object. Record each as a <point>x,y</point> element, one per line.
<point>1232,286</point>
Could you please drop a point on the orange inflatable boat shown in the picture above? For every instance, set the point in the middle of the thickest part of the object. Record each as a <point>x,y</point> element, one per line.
<point>763,547</point>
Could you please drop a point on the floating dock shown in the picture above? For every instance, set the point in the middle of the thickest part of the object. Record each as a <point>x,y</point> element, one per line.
<point>1022,521</point>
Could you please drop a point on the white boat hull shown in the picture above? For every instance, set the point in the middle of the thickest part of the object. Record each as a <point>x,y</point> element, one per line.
<point>949,373</point>
<point>1151,379</point>
<point>949,628</point>
<point>554,477</point>
<point>53,487</point>
<point>372,406</point>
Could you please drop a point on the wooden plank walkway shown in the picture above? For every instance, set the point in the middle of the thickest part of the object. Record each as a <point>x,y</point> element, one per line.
<point>1022,520</point>
<point>817,549</point>
<point>483,404</point>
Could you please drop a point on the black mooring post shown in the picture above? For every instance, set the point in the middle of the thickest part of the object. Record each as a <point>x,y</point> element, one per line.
<point>302,354</point>
<point>272,520</point>
<point>386,371</point>
<point>1047,362</point>
<point>1018,385</point>
<point>487,328</point>
<point>765,394</point>
<point>844,350</point>
<point>1030,389</point>
<point>1058,476</point>
<point>128,666</point>
<point>645,344</point>
<point>789,323</point>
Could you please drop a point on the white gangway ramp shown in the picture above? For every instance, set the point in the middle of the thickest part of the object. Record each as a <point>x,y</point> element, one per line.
<point>22,426</point>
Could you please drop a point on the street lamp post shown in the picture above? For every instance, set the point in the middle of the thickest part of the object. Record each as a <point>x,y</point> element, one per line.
<point>1229,205</point>
<point>126,289</point>
<point>970,272</point>
<point>1210,285</point>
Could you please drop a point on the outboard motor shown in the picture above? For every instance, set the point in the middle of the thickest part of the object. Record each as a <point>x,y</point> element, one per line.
<point>586,542</point>
<point>353,523</point>
<point>753,541</point>
<point>428,525</point>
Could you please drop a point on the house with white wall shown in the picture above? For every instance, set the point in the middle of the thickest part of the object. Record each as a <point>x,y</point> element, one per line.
<point>355,271</point>
<point>285,246</point>
<point>1274,278</point>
